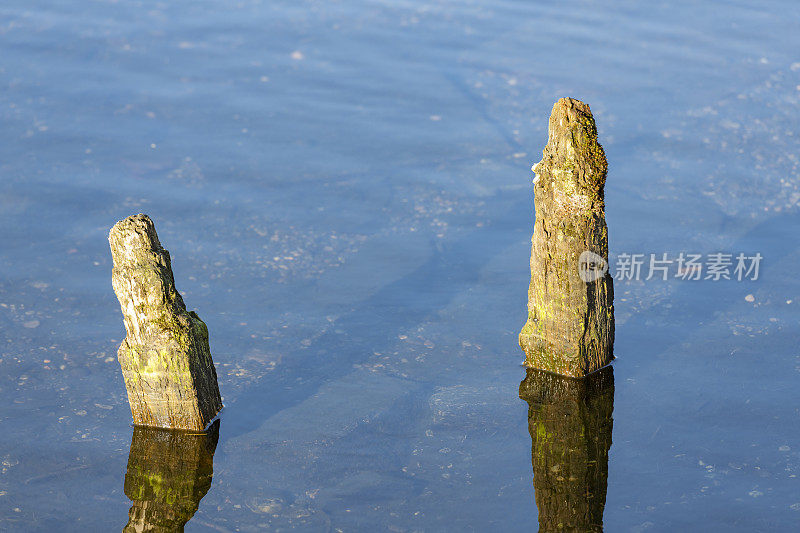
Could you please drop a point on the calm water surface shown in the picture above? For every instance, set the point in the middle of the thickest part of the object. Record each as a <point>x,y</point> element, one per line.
<point>345,191</point>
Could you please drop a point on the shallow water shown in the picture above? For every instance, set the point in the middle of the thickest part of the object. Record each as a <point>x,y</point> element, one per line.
<point>345,192</point>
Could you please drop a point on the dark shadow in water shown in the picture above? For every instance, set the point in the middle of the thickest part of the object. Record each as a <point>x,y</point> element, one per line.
<point>168,474</point>
<point>570,422</point>
<point>396,307</point>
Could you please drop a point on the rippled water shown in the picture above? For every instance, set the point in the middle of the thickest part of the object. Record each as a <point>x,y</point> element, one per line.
<point>345,191</point>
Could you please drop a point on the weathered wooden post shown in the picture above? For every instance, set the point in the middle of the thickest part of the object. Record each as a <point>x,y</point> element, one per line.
<point>168,474</point>
<point>570,423</point>
<point>570,327</point>
<point>165,357</point>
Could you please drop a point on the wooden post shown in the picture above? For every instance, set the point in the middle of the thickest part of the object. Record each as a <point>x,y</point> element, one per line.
<point>168,474</point>
<point>165,357</point>
<point>570,327</point>
<point>570,423</point>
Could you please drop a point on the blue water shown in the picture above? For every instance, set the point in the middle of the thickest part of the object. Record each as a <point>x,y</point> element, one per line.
<point>345,192</point>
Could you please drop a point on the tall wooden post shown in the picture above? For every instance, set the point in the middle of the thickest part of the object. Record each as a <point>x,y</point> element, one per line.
<point>570,327</point>
<point>165,357</point>
<point>570,423</point>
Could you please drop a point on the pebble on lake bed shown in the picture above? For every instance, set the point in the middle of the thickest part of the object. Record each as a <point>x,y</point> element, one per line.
<point>165,357</point>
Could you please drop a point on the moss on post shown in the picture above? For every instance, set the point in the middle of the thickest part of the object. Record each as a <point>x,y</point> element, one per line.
<point>570,423</point>
<point>570,327</point>
<point>168,474</point>
<point>165,357</point>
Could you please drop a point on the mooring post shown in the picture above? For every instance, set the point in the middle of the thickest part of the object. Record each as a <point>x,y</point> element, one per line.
<point>165,357</point>
<point>570,423</point>
<point>570,327</point>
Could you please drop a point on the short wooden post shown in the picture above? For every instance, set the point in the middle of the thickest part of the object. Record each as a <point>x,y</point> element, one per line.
<point>570,423</point>
<point>165,357</point>
<point>168,474</point>
<point>570,327</point>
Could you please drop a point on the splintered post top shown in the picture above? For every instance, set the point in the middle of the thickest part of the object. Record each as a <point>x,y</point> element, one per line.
<point>135,233</point>
<point>573,168</point>
<point>142,275</point>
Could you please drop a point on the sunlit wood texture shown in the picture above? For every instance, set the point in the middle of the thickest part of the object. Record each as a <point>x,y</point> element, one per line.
<point>570,327</point>
<point>165,357</point>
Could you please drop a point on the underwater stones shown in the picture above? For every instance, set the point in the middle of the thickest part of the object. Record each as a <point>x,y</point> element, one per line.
<point>165,357</point>
<point>570,327</point>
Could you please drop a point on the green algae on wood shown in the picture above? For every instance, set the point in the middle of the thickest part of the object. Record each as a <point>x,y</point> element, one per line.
<point>570,423</point>
<point>168,474</point>
<point>570,327</point>
<point>165,357</point>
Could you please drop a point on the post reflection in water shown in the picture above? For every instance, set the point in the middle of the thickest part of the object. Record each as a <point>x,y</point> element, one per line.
<point>168,474</point>
<point>570,422</point>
